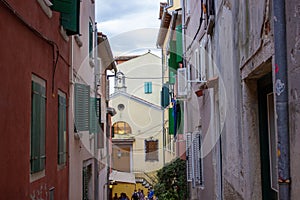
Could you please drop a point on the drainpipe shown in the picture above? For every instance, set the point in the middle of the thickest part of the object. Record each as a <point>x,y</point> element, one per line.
<point>281,89</point>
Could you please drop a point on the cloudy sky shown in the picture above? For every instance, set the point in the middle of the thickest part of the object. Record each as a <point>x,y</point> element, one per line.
<point>131,25</point>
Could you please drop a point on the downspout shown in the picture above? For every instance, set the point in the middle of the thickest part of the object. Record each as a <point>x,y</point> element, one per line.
<point>96,76</point>
<point>281,89</point>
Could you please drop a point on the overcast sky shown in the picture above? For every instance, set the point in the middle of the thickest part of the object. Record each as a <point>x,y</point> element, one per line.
<point>131,26</point>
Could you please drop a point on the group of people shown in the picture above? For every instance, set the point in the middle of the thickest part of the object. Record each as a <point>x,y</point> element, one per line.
<point>137,195</point>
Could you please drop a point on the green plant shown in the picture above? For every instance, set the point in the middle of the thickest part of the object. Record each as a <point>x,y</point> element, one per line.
<point>172,183</point>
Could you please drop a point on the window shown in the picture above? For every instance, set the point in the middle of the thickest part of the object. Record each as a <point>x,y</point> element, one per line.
<point>194,159</point>
<point>121,128</point>
<point>91,39</point>
<point>151,150</point>
<point>86,182</point>
<point>38,116</point>
<point>69,14</point>
<point>165,96</point>
<point>62,130</point>
<point>94,115</point>
<point>82,111</point>
<point>170,2</point>
<point>148,87</point>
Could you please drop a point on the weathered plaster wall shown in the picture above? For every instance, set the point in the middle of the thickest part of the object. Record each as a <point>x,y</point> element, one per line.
<point>293,56</point>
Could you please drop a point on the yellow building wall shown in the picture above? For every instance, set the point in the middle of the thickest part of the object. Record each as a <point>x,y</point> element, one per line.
<point>127,188</point>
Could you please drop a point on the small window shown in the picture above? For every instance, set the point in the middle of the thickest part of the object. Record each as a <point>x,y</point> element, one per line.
<point>151,150</point>
<point>121,128</point>
<point>91,39</point>
<point>62,130</point>
<point>148,87</point>
<point>38,125</point>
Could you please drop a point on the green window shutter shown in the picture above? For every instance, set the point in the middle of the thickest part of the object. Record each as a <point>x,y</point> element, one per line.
<point>165,98</point>
<point>62,5</point>
<point>171,122</point>
<point>172,76</point>
<point>82,106</point>
<point>179,50</point>
<point>172,59</point>
<point>93,116</point>
<point>70,12</point>
<point>38,115</point>
<point>62,129</point>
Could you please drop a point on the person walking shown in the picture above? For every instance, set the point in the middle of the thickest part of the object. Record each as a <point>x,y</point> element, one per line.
<point>135,195</point>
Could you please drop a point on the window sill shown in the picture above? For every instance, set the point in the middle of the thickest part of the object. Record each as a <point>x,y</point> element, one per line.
<point>45,6</point>
<point>61,166</point>
<point>37,176</point>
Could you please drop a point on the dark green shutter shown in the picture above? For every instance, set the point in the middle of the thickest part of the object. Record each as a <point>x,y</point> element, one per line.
<point>165,98</point>
<point>82,103</point>
<point>180,119</point>
<point>171,122</point>
<point>90,38</point>
<point>38,115</point>
<point>172,59</point>
<point>69,14</point>
<point>179,43</point>
<point>62,129</point>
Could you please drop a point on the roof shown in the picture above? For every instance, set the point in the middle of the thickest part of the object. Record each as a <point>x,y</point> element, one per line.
<point>124,177</point>
<point>135,98</point>
<point>105,52</point>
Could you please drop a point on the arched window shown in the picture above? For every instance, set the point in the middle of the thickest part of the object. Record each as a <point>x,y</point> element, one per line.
<point>121,128</point>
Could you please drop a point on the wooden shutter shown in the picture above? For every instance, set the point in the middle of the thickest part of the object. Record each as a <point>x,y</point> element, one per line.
<point>189,161</point>
<point>179,43</point>
<point>38,115</point>
<point>82,103</point>
<point>62,129</point>
<point>93,115</point>
<point>165,96</point>
<point>69,14</point>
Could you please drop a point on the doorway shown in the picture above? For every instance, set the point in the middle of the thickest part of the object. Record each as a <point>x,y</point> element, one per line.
<point>268,138</point>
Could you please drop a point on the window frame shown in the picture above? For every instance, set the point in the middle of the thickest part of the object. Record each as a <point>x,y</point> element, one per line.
<point>127,129</point>
<point>151,154</point>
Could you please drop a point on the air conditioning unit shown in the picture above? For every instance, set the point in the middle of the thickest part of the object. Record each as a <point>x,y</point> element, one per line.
<point>182,84</point>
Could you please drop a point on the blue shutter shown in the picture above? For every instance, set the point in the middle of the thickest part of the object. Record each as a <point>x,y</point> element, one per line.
<point>82,103</point>
<point>148,87</point>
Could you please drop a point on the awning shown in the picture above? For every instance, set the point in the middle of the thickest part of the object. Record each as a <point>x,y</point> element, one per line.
<point>124,177</point>
<point>105,53</point>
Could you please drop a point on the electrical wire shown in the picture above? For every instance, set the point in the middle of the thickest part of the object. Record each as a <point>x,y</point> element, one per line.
<point>40,35</point>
